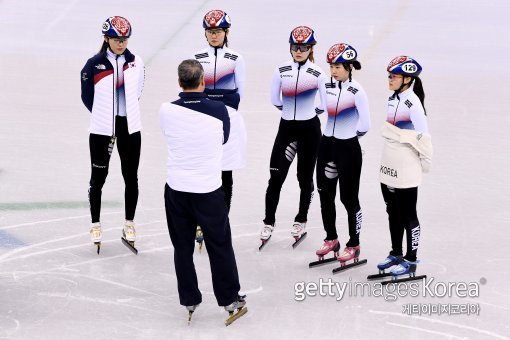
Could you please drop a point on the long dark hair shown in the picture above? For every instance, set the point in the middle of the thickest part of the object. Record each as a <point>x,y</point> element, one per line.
<point>104,46</point>
<point>418,90</point>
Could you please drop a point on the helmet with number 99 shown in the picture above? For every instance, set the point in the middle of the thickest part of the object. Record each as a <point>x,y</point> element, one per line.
<point>216,18</point>
<point>117,27</point>
<point>302,35</point>
<point>405,66</point>
<point>341,53</point>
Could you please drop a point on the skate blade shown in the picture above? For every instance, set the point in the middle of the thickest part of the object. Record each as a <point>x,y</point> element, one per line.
<point>189,317</point>
<point>348,266</point>
<point>264,242</point>
<point>98,244</point>
<point>236,316</point>
<point>322,262</point>
<point>130,245</point>
<point>378,276</point>
<point>406,279</point>
<point>299,240</point>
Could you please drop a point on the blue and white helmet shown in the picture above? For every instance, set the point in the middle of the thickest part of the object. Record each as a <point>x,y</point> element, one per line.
<point>302,35</point>
<point>341,53</point>
<point>117,27</point>
<point>405,66</point>
<point>216,18</point>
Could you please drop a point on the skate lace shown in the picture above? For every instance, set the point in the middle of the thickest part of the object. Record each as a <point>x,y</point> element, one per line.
<point>96,231</point>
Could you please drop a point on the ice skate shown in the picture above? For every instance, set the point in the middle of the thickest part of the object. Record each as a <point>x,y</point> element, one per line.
<point>298,232</point>
<point>238,305</point>
<point>349,254</point>
<point>328,246</point>
<point>388,262</point>
<point>191,309</point>
<point>199,238</point>
<point>265,234</point>
<point>96,235</point>
<point>129,236</point>
<point>404,268</point>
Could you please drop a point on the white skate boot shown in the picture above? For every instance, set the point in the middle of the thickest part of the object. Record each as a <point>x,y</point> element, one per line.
<point>298,232</point>
<point>129,236</point>
<point>129,232</point>
<point>96,235</point>
<point>236,309</point>
<point>265,234</point>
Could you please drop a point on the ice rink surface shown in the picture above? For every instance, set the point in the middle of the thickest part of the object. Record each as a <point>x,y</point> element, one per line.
<point>53,285</point>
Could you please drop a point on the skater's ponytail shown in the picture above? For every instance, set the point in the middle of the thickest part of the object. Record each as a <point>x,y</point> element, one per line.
<point>418,90</point>
<point>348,66</point>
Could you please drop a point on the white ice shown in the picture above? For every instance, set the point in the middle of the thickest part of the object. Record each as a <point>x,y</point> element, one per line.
<point>54,286</point>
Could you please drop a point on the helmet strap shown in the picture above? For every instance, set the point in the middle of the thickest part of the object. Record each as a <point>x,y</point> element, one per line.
<point>399,90</point>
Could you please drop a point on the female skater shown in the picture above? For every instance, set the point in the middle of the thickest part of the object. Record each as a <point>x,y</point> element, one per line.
<point>294,86</point>
<point>407,153</point>
<point>111,85</point>
<point>340,158</point>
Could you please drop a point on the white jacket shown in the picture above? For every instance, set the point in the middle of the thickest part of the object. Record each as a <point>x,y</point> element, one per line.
<point>98,85</point>
<point>406,154</point>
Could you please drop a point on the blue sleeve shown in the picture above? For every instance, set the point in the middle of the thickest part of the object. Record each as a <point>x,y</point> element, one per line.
<point>87,85</point>
<point>226,125</point>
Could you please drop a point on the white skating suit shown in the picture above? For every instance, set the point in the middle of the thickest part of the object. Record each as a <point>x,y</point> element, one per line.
<point>347,107</point>
<point>224,73</point>
<point>294,88</point>
<point>406,112</point>
<point>293,91</point>
<point>339,161</point>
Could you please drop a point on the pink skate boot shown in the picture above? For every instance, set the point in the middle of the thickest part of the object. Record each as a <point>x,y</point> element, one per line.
<point>328,246</point>
<point>349,253</point>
